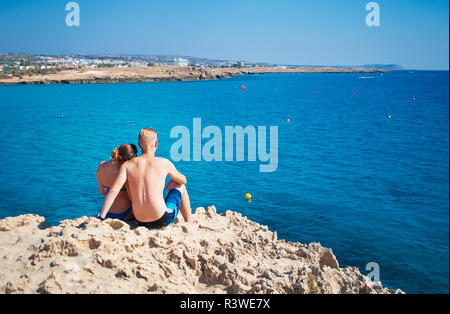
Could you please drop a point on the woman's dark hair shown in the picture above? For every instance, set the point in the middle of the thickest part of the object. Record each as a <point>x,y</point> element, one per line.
<point>124,152</point>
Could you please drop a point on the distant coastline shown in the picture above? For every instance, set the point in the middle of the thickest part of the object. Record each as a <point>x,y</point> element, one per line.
<point>160,73</point>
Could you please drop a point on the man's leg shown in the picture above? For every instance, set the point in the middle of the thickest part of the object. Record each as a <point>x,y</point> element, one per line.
<point>185,207</point>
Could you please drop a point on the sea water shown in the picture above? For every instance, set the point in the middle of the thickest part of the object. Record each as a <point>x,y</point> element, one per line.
<point>372,188</point>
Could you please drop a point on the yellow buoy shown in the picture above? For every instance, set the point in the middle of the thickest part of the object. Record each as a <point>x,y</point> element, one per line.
<point>248,196</point>
<point>389,117</point>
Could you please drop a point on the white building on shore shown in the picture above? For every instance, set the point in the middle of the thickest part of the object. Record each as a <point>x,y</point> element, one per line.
<point>180,62</point>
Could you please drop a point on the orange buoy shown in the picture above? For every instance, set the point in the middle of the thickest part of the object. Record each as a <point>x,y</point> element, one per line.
<point>243,87</point>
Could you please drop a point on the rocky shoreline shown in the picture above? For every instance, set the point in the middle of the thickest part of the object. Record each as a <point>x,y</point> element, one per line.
<point>227,254</point>
<point>159,73</point>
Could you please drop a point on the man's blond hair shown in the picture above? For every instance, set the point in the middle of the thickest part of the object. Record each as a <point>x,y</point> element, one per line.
<point>147,136</point>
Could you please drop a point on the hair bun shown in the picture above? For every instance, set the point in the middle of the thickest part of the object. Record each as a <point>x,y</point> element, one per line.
<point>115,155</point>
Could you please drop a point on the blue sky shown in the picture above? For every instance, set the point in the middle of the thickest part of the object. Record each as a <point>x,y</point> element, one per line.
<point>413,33</point>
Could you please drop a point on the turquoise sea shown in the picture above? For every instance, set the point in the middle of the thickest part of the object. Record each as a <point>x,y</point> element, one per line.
<point>372,188</point>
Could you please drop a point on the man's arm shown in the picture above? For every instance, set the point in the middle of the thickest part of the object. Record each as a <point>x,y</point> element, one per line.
<point>175,175</point>
<point>114,191</point>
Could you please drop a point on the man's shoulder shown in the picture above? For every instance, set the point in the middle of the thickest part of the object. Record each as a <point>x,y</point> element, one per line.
<point>130,162</point>
<point>162,159</point>
<point>141,159</point>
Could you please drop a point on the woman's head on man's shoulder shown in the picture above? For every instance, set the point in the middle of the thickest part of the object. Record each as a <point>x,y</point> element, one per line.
<point>123,153</point>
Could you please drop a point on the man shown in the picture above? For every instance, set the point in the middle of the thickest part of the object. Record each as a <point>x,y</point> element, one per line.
<point>145,178</point>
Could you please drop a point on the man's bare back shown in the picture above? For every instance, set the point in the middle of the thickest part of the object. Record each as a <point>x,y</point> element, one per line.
<point>146,177</point>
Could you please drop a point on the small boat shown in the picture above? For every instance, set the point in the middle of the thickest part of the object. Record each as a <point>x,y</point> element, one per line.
<point>243,87</point>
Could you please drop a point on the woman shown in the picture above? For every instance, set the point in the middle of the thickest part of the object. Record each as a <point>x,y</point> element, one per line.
<point>106,175</point>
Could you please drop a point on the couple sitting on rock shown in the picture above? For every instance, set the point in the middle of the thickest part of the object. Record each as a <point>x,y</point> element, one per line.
<point>134,186</point>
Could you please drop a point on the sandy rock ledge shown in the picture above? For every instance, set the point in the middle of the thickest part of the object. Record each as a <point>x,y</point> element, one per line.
<point>227,254</point>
